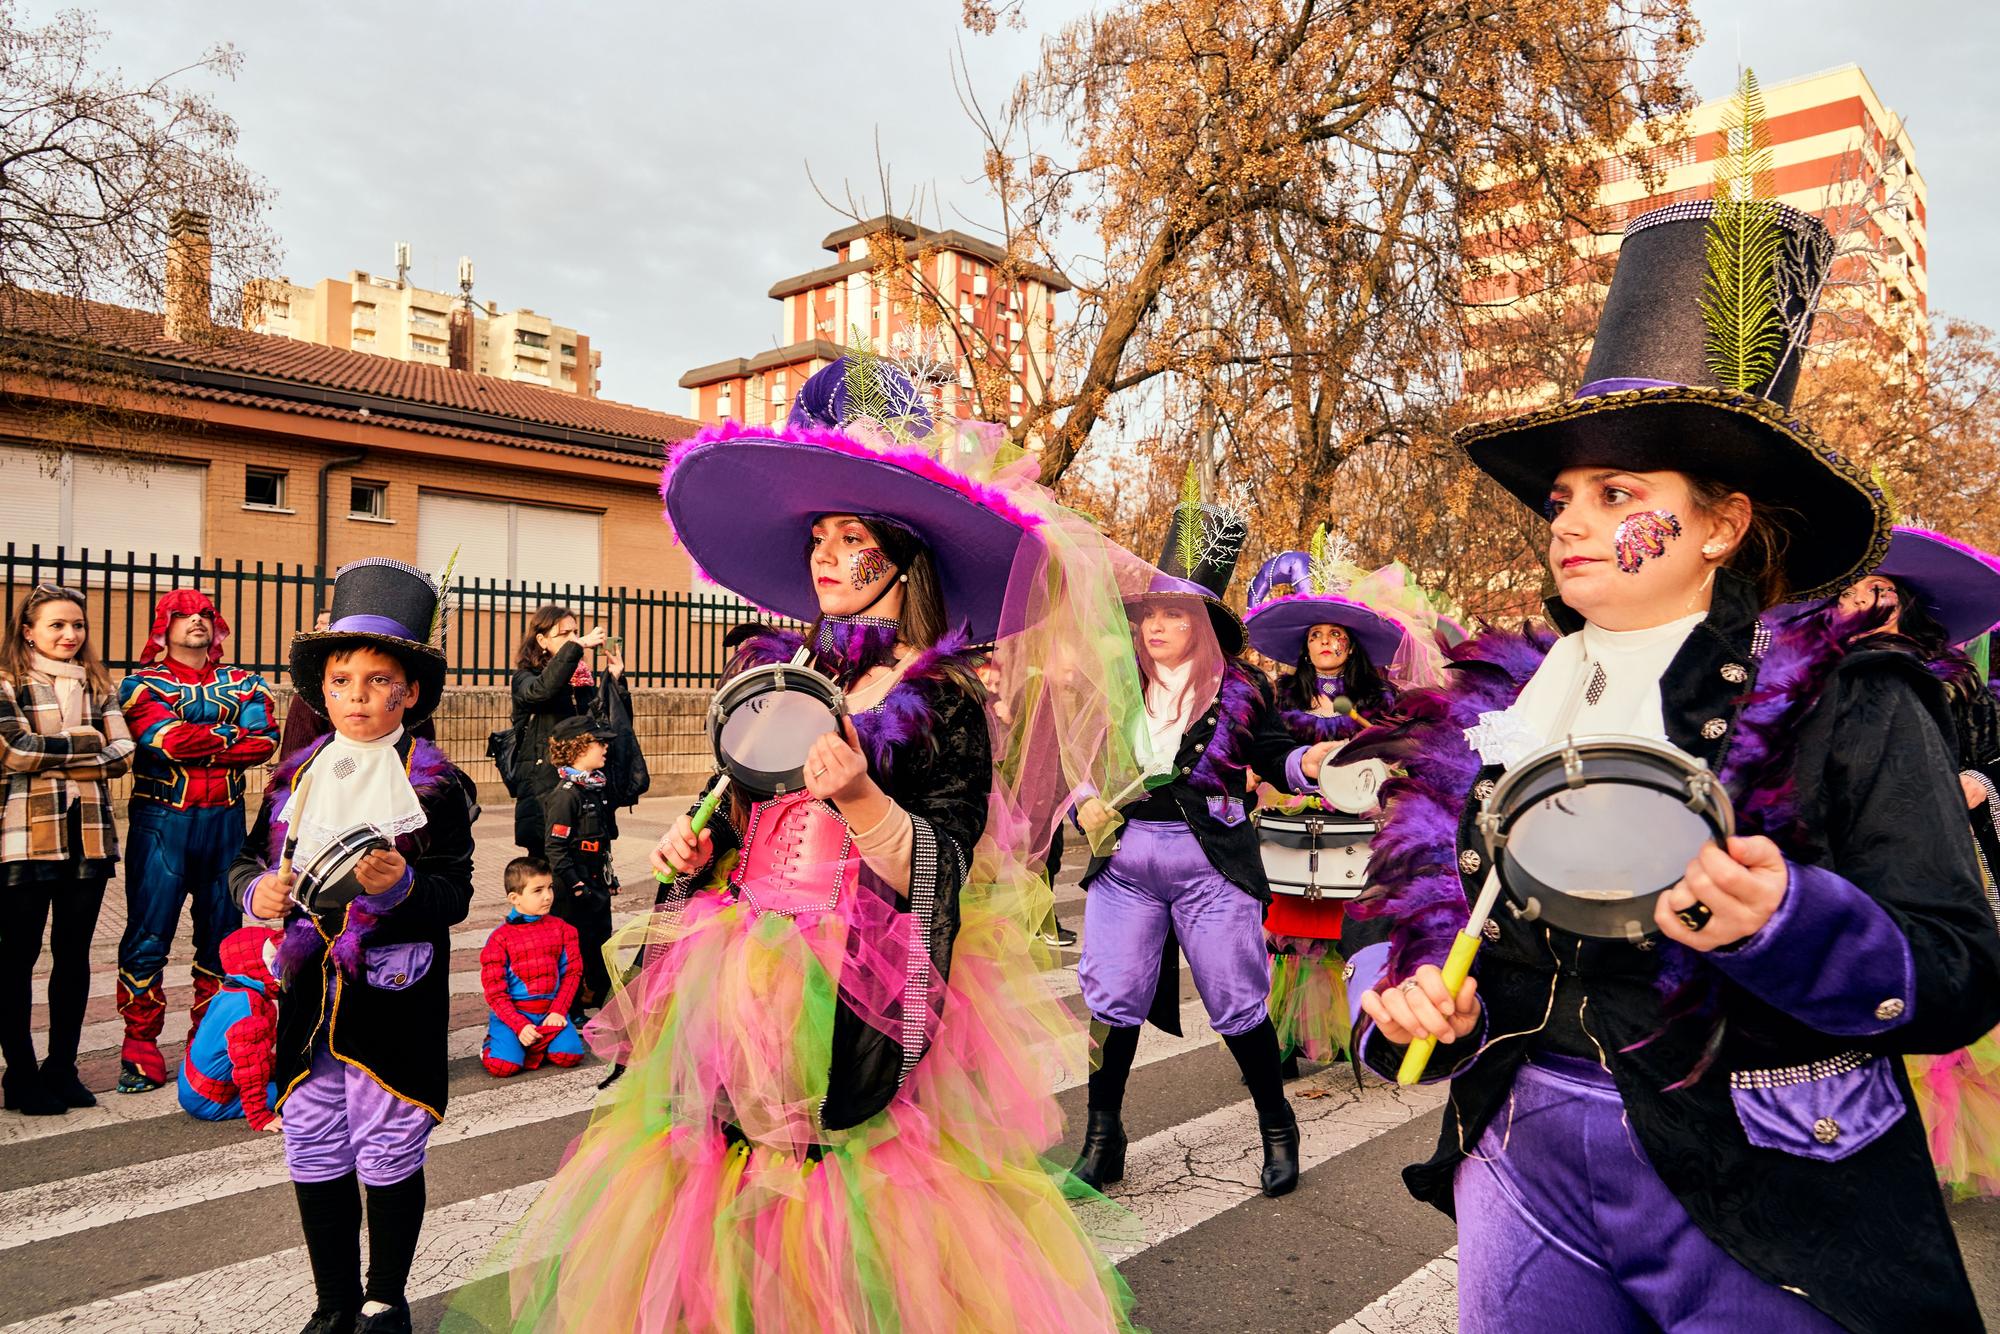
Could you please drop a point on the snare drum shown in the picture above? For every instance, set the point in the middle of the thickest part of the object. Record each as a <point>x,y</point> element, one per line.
<point>1352,787</point>
<point>1588,833</point>
<point>763,723</point>
<point>1314,855</point>
<point>326,883</point>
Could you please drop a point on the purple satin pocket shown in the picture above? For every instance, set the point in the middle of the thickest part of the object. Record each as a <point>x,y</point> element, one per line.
<point>1229,810</point>
<point>1826,1110</point>
<point>398,967</point>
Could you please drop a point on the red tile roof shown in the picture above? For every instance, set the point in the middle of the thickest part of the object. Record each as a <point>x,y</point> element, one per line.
<point>286,363</point>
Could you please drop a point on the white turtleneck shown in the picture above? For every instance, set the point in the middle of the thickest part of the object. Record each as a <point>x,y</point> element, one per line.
<point>1168,710</point>
<point>1627,666</point>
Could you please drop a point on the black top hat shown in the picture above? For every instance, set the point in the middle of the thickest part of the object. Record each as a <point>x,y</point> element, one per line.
<point>1198,561</point>
<point>1651,400</point>
<point>377,603</point>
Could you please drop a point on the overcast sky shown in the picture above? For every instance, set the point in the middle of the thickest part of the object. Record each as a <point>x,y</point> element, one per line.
<point>639,170</point>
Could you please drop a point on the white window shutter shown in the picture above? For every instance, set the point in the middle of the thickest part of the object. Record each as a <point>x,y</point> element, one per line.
<point>149,509</point>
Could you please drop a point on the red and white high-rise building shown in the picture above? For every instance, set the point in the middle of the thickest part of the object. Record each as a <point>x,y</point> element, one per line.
<point>973,324</point>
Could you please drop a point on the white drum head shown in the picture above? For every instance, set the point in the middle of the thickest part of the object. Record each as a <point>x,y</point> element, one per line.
<point>1607,841</point>
<point>1353,787</point>
<point>773,732</point>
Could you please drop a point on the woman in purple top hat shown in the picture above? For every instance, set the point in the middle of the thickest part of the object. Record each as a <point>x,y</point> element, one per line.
<point>1705,1124</point>
<point>1186,868</point>
<point>1930,596</point>
<point>837,1081</point>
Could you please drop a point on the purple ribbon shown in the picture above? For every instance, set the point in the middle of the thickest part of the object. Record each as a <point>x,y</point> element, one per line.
<point>370,625</point>
<point>1618,384</point>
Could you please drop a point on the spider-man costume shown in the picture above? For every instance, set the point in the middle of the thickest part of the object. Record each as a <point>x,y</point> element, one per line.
<point>228,1067</point>
<point>197,730</point>
<point>529,969</point>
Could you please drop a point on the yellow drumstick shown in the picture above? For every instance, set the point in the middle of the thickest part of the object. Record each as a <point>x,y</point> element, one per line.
<point>1457,967</point>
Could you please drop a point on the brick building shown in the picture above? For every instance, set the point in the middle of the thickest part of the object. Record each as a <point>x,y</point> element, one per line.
<point>983,334</point>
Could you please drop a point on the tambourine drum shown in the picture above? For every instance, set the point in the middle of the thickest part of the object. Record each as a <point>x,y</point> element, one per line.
<point>325,882</point>
<point>763,723</point>
<point>1352,787</point>
<point>1313,855</point>
<point>1588,833</point>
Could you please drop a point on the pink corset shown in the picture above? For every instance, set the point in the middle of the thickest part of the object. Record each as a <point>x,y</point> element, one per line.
<point>798,857</point>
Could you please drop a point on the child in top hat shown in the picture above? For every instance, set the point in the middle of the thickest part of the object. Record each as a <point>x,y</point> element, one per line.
<point>529,969</point>
<point>366,1007</point>
<point>581,827</point>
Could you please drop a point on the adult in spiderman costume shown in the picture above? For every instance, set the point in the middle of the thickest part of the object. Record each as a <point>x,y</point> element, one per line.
<point>198,725</point>
<point>228,1069</point>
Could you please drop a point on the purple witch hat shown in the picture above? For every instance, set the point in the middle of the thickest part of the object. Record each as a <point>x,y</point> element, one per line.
<point>1286,605</point>
<point>742,500</point>
<point>1960,584</point>
<point>1653,400</point>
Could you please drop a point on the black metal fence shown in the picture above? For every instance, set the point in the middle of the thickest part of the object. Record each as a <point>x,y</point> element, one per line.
<point>669,639</point>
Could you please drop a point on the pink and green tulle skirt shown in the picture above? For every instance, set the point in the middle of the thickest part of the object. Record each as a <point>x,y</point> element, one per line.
<point>704,1195</point>
<point>1309,998</point>
<point>1959,1097</point>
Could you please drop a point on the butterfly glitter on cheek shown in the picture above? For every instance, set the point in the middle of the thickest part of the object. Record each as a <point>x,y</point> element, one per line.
<point>1643,535</point>
<point>868,566</point>
<point>398,696</point>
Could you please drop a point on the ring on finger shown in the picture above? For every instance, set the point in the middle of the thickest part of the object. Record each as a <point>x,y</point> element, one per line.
<point>1695,916</point>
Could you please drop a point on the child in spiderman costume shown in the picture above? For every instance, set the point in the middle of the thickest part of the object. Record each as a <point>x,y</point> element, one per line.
<point>198,725</point>
<point>529,970</point>
<point>227,1071</point>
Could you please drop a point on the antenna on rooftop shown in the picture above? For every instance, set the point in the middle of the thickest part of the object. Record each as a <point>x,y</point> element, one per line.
<point>402,263</point>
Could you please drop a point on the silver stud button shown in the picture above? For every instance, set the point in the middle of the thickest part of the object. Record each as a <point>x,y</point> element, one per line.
<point>1714,728</point>
<point>1491,930</point>
<point>1889,1009</point>
<point>1735,673</point>
<point>1826,1130</point>
<point>1468,862</point>
<point>1483,789</point>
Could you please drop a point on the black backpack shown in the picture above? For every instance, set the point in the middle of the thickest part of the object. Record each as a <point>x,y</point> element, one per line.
<point>503,748</point>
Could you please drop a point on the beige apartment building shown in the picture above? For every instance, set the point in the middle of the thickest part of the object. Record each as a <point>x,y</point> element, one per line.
<point>391,317</point>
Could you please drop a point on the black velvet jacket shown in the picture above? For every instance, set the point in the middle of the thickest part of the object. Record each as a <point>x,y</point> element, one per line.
<point>1878,805</point>
<point>393,1018</point>
<point>932,729</point>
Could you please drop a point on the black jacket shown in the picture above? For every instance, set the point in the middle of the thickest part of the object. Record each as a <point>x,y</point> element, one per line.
<point>544,697</point>
<point>579,836</point>
<point>942,777</point>
<point>394,1018</point>
<point>1878,805</point>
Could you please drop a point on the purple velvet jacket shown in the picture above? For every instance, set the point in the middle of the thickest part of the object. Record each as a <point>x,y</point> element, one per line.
<point>1765,1081</point>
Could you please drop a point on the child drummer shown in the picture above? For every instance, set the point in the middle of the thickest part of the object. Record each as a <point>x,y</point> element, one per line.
<point>365,1006</point>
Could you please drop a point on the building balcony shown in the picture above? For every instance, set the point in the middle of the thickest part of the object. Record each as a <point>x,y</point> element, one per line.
<point>364,319</point>
<point>531,351</point>
<point>426,324</point>
<point>529,376</point>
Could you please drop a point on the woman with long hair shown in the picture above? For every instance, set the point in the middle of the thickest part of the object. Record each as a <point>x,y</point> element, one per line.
<point>838,1076</point>
<point>552,681</point>
<point>62,739</point>
<point>1693,1114</point>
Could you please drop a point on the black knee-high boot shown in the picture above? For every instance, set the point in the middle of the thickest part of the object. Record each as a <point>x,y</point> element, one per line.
<point>1102,1161</point>
<point>1256,1054</point>
<point>330,1215</point>
<point>395,1218</point>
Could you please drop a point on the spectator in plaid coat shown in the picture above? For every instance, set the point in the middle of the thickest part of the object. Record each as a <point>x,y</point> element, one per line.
<point>529,970</point>
<point>62,738</point>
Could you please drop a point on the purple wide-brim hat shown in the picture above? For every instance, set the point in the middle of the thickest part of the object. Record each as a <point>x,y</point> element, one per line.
<point>1960,584</point>
<point>1278,628</point>
<point>1222,617</point>
<point>742,500</point>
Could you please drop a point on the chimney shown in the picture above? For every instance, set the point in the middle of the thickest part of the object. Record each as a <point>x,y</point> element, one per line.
<point>187,275</point>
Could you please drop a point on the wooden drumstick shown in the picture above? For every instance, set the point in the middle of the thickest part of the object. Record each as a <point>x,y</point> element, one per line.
<point>1457,967</point>
<point>294,807</point>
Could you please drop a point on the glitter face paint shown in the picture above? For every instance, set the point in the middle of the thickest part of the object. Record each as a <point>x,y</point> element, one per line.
<point>866,567</point>
<point>399,695</point>
<point>1643,536</point>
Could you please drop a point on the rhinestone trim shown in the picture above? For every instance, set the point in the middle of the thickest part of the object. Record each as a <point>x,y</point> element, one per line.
<point>1703,210</point>
<point>925,854</point>
<point>1785,1076</point>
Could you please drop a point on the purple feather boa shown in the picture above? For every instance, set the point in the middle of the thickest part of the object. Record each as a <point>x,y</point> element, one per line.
<point>1220,768</point>
<point>906,714</point>
<point>429,771</point>
<point>1309,729</point>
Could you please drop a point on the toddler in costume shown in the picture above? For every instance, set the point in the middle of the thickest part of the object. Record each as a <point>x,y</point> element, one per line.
<point>227,1070</point>
<point>580,831</point>
<point>366,1006</point>
<point>529,970</point>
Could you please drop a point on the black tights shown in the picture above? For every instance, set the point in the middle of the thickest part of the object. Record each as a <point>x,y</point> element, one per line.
<point>72,903</point>
<point>330,1215</point>
<point>1256,1054</point>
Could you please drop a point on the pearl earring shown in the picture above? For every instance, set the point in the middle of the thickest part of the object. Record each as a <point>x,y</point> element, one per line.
<point>1711,548</point>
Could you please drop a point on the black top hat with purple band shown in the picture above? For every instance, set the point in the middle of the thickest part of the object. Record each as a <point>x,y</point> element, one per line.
<point>1198,561</point>
<point>382,604</point>
<point>1651,401</point>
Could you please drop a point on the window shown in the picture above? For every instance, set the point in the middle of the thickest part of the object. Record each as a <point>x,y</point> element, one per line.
<point>569,349</point>
<point>81,501</point>
<point>264,488</point>
<point>368,500</point>
<point>502,540</point>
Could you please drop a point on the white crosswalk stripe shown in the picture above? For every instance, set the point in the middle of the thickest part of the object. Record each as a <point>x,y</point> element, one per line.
<point>1424,1303</point>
